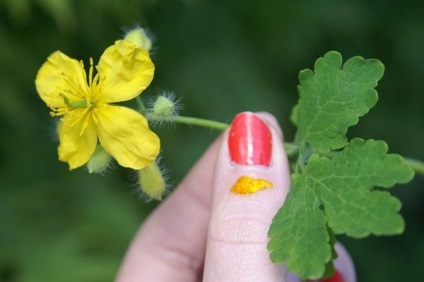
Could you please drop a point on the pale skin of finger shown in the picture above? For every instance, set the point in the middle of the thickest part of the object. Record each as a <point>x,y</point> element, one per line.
<point>170,246</point>
<point>238,230</point>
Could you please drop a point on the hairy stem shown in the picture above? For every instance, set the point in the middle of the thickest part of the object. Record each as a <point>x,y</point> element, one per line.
<point>140,104</point>
<point>200,122</point>
<point>290,148</point>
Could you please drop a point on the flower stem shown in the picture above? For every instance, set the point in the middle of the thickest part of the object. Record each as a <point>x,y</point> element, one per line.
<point>416,165</point>
<point>140,104</point>
<point>200,122</point>
<point>291,149</point>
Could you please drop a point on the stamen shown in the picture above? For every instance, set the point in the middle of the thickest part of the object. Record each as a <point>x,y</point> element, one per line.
<point>94,116</point>
<point>85,123</point>
<point>58,111</point>
<point>75,88</point>
<point>94,90</point>
<point>76,118</point>
<point>96,78</point>
<point>90,75</point>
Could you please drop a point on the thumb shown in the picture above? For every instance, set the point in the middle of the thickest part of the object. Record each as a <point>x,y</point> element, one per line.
<point>251,182</point>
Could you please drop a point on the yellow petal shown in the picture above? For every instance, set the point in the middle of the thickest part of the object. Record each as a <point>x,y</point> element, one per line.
<point>125,134</point>
<point>61,75</point>
<point>125,71</point>
<point>78,138</point>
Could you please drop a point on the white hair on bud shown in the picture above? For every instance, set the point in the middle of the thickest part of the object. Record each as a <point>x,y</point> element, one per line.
<point>177,106</point>
<point>147,31</point>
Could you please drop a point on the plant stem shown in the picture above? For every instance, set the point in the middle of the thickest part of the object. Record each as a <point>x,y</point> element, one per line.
<point>416,165</point>
<point>200,122</point>
<point>291,149</point>
<point>140,104</point>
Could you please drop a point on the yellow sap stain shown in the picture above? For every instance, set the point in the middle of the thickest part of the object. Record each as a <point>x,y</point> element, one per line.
<point>246,185</point>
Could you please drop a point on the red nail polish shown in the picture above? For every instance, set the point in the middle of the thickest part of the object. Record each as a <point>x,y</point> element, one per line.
<point>337,277</point>
<point>250,140</point>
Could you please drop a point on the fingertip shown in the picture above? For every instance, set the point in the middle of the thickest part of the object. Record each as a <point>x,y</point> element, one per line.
<point>272,121</point>
<point>251,182</point>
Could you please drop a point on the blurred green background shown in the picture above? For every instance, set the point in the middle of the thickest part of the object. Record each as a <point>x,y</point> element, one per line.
<point>221,57</point>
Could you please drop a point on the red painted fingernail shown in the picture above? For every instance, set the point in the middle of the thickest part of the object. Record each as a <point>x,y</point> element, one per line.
<point>337,277</point>
<point>250,140</point>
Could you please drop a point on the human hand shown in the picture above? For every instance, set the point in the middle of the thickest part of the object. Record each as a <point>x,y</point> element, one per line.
<point>214,226</point>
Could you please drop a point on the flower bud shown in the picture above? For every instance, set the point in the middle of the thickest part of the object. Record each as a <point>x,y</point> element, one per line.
<point>164,107</point>
<point>99,161</point>
<point>139,37</point>
<point>151,181</point>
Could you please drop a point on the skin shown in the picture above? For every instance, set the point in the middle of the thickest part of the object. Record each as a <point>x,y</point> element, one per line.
<point>203,232</point>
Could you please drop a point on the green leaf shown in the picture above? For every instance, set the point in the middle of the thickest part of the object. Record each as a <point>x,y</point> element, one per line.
<point>332,98</point>
<point>329,267</point>
<point>299,233</point>
<point>336,194</point>
<point>345,188</point>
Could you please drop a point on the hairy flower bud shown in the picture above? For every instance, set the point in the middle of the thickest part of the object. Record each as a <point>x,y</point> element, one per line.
<point>164,107</point>
<point>151,181</point>
<point>99,161</point>
<point>140,38</point>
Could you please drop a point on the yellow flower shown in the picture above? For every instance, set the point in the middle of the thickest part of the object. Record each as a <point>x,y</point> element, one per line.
<point>123,72</point>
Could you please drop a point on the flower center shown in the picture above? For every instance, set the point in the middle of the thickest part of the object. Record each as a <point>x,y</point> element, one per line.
<point>75,105</point>
<point>74,88</point>
<point>69,106</point>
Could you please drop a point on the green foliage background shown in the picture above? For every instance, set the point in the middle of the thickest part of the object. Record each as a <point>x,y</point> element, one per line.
<point>221,57</point>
